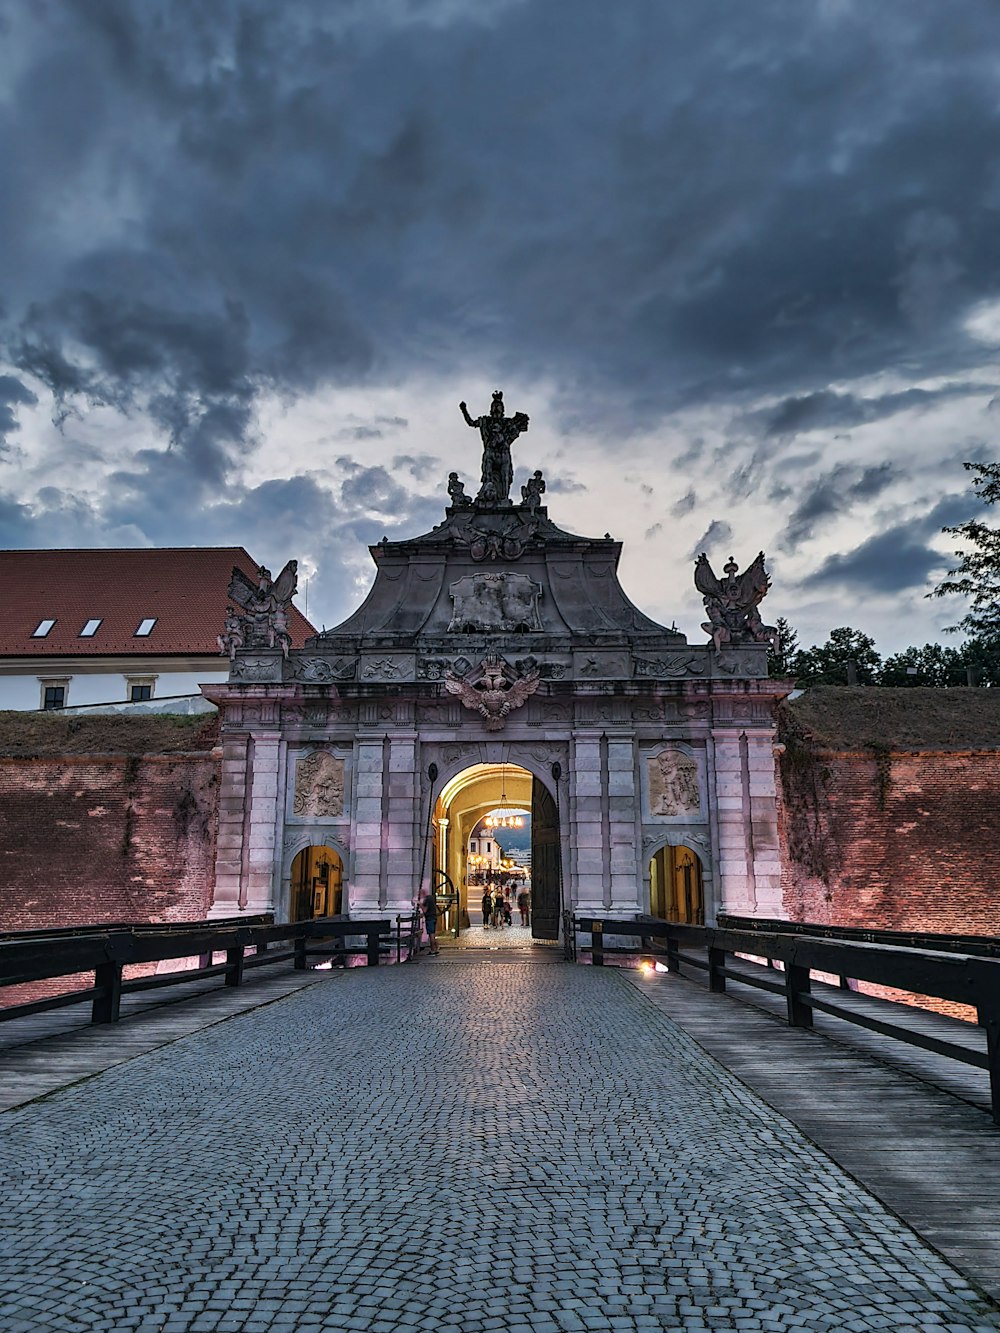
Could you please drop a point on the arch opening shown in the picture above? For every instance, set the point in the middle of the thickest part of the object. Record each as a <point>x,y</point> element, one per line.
<point>486,828</point>
<point>317,884</point>
<point>677,886</point>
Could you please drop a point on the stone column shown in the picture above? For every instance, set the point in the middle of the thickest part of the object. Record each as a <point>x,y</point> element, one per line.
<point>736,871</point>
<point>233,812</point>
<point>587,832</point>
<point>760,778</point>
<point>263,823</point>
<point>402,837</point>
<point>621,783</point>
<point>366,880</point>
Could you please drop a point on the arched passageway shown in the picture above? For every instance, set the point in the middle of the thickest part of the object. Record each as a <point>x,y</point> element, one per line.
<point>495,832</point>
<point>317,884</point>
<point>676,886</point>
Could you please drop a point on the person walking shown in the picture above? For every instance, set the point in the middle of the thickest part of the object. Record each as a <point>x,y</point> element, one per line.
<point>487,909</point>
<point>523,902</point>
<point>431,922</point>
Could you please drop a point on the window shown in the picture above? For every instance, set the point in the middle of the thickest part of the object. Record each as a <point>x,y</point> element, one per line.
<point>139,693</point>
<point>145,628</point>
<point>55,690</point>
<point>42,628</point>
<point>90,629</point>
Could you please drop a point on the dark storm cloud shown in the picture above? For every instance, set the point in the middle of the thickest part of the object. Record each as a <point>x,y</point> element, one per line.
<point>716,534</point>
<point>644,205</point>
<point>684,505</point>
<point>827,409</point>
<point>831,494</point>
<point>898,559</point>
<point>13,394</point>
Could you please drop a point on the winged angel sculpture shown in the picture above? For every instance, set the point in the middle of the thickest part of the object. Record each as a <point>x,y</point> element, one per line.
<point>260,616</point>
<point>492,689</point>
<point>731,603</point>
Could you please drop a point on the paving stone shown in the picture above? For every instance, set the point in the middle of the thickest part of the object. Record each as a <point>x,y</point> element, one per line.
<point>471,1147</point>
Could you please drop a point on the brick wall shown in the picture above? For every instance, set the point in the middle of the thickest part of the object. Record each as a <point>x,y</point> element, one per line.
<point>900,841</point>
<point>86,839</point>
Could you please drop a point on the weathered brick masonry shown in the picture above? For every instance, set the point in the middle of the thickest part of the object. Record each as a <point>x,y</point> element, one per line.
<point>890,809</point>
<point>106,822</point>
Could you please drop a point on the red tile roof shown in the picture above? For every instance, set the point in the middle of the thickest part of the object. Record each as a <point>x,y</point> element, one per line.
<point>184,588</point>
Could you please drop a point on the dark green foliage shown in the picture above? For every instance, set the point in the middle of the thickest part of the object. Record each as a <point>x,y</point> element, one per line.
<point>977,574</point>
<point>780,659</point>
<point>827,664</point>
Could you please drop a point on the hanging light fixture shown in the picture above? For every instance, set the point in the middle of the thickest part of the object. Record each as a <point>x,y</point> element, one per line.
<point>503,816</point>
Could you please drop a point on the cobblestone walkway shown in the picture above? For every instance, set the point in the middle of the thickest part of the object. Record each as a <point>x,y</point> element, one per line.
<point>518,1148</point>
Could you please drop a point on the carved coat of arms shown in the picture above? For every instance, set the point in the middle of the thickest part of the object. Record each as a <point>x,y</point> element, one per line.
<point>504,602</point>
<point>492,689</point>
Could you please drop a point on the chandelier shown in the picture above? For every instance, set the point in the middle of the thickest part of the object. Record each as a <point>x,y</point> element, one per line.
<point>503,816</point>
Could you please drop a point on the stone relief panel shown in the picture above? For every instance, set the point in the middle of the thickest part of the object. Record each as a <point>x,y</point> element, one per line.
<point>319,786</point>
<point>321,670</point>
<point>505,602</point>
<point>673,664</point>
<point>673,784</point>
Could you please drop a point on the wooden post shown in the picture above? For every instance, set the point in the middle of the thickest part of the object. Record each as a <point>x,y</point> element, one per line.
<point>989,1021</point>
<point>234,965</point>
<point>716,962</point>
<point>797,983</point>
<point>299,944</point>
<point>673,952</point>
<point>373,938</point>
<point>597,943</point>
<point>107,1004</point>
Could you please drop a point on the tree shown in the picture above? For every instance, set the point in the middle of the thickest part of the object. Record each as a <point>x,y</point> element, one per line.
<point>933,664</point>
<point>827,664</point>
<point>779,660</point>
<point>977,574</point>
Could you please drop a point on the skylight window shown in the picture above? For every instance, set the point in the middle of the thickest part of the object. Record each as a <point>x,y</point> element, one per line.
<point>145,628</point>
<point>90,629</point>
<point>42,628</point>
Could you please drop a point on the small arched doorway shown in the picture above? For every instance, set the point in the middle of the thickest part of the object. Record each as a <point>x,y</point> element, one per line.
<point>317,884</point>
<point>676,886</point>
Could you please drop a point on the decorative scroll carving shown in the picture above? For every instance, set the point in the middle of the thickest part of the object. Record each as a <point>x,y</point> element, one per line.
<point>674,664</point>
<point>498,434</point>
<point>256,668</point>
<point>433,668</point>
<point>493,689</point>
<point>319,786</point>
<point>507,543</point>
<point>261,620</point>
<point>731,602</point>
<point>321,671</point>
<point>547,670</point>
<point>673,784</point>
<point>382,668</point>
<point>495,602</point>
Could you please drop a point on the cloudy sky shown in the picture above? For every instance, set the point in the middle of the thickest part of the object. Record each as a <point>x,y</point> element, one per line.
<point>739,260</point>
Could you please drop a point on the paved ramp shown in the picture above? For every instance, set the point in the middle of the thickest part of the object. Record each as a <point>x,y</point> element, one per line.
<point>436,1147</point>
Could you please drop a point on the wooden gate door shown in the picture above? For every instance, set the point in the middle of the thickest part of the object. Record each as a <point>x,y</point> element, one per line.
<point>545,853</point>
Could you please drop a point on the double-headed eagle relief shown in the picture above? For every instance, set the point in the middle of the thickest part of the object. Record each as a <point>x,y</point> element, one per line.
<point>493,689</point>
<point>498,434</point>
<point>259,618</point>
<point>731,603</point>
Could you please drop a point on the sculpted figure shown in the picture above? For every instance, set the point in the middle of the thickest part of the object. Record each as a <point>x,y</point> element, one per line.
<point>456,492</point>
<point>259,618</point>
<point>498,434</point>
<point>731,602</point>
<point>532,491</point>
<point>492,689</point>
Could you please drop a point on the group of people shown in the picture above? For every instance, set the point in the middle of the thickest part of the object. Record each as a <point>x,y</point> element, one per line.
<point>497,910</point>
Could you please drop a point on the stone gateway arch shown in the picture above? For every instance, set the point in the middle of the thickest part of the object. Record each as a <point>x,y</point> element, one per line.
<point>500,639</point>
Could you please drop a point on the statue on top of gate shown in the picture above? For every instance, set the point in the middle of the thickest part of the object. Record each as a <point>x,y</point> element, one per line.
<point>260,616</point>
<point>498,434</point>
<point>731,602</point>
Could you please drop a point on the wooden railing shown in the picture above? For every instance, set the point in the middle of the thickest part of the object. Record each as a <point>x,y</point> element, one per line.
<point>46,955</point>
<point>959,977</point>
